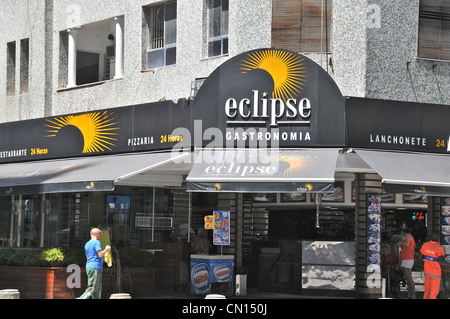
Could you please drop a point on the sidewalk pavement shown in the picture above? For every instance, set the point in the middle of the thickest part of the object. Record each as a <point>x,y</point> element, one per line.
<point>250,294</point>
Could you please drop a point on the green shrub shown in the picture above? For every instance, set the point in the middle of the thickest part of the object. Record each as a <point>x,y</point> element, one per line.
<point>63,257</point>
<point>21,257</point>
<point>53,256</point>
<point>75,256</point>
<point>133,257</point>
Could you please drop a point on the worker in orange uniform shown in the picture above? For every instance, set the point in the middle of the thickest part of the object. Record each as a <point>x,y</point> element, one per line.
<point>433,254</point>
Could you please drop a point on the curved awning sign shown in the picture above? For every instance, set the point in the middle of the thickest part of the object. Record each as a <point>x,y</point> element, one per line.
<point>263,170</point>
<point>271,97</point>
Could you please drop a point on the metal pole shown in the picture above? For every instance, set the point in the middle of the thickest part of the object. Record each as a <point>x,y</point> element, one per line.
<point>153,215</point>
<point>189,218</point>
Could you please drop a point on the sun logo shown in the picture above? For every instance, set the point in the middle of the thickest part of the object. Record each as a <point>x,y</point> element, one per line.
<point>286,68</point>
<point>295,160</point>
<point>98,129</point>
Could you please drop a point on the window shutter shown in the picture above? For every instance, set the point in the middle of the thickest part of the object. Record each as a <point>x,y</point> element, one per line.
<point>297,25</point>
<point>286,16</point>
<point>314,35</point>
<point>429,25</point>
<point>434,29</point>
<point>445,31</point>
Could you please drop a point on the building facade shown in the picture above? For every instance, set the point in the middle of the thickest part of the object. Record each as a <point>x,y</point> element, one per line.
<point>380,40</point>
<point>62,58</point>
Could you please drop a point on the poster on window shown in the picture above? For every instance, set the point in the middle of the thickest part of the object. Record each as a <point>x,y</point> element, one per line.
<point>221,228</point>
<point>209,222</point>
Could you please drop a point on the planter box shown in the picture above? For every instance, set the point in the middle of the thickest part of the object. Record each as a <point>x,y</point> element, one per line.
<point>142,281</point>
<point>37,282</point>
<point>50,282</point>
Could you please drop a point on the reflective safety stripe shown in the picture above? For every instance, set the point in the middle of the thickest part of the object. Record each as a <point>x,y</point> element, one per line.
<point>434,276</point>
<point>431,258</point>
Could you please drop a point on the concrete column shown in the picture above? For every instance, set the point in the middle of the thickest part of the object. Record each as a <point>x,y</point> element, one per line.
<point>119,48</point>
<point>72,58</point>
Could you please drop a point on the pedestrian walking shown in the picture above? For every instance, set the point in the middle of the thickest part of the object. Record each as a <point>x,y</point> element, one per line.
<point>94,265</point>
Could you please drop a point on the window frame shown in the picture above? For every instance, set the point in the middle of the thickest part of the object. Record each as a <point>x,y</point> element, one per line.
<point>106,49</point>
<point>222,38</point>
<point>165,46</point>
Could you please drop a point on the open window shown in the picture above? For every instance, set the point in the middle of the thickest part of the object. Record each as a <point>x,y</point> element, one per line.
<point>88,54</point>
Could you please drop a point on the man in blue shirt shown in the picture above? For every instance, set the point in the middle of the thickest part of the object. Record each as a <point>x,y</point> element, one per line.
<point>94,265</point>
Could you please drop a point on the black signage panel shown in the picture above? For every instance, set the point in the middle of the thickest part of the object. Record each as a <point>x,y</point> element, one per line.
<point>270,97</point>
<point>142,127</point>
<point>436,127</point>
<point>396,125</point>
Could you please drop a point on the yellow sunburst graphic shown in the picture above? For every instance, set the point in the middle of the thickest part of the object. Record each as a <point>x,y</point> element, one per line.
<point>287,70</point>
<point>296,162</point>
<point>98,129</point>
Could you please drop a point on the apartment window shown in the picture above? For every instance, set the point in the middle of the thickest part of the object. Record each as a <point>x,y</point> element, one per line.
<point>11,68</point>
<point>161,33</point>
<point>302,25</point>
<point>434,29</point>
<point>91,53</point>
<point>217,27</point>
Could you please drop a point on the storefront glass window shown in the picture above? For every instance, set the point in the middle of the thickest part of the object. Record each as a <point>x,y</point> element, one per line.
<point>5,208</point>
<point>23,218</point>
<point>134,217</point>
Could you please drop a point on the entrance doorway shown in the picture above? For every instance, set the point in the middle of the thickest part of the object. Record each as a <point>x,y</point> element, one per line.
<point>278,260</point>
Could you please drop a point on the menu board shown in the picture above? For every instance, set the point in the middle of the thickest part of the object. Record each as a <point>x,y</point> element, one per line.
<point>221,228</point>
<point>446,228</point>
<point>373,232</point>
